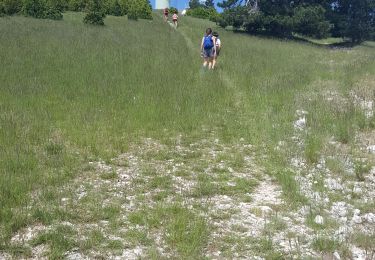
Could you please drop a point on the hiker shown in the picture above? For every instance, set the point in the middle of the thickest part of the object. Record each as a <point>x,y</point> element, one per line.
<point>217,50</point>
<point>166,12</point>
<point>208,48</point>
<point>174,19</point>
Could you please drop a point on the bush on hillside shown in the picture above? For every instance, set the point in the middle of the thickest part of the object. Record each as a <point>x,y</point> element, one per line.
<point>124,6</point>
<point>53,14</point>
<point>203,13</point>
<point>115,9</point>
<point>95,13</point>
<point>42,9</point>
<point>112,7</point>
<point>94,18</point>
<point>145,9</point>
<point>77,5</point>
<point>173,10</point>
<point>135,9</point>
<point>10,7</point>
<point>132,11</point>
<point>33,8</point>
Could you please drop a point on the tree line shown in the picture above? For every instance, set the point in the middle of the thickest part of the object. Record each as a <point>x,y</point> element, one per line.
<point>349,19</point>
<point>96,10</point>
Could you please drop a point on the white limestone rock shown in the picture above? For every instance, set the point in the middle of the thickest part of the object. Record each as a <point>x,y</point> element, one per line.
<point>319,220</point>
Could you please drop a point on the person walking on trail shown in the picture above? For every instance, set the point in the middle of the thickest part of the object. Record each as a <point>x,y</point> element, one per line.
<point>166,12</point>
<point>217,50</point>
<point>208,48</point>
<point>174,19</point>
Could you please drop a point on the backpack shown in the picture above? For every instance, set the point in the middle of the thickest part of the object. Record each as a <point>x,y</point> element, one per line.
<point>208,43</point>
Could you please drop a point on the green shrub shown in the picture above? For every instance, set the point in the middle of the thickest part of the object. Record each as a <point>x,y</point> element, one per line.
<point>145,9</point>
<point>116,9</point>
<point>33,8</point>
<point>124,6</point>
<point>203,13</point>
<point>173,10</point>
<point>112,7</point>
<point>95,13</point>
<point>77,5</point>
<point>132,11</point>
<point>42,9</point>
<point>10,7</point>
<point>135,9</point>
<point>95,18</point>
<point>2,9</point>
<point>52,13</point>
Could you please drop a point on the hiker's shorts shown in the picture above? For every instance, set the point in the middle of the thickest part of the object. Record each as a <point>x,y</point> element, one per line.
<point>208,53</point>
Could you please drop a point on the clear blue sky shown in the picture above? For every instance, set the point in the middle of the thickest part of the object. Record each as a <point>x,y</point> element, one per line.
<point>179,4</point>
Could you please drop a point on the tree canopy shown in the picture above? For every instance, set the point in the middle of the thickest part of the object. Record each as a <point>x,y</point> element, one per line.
<point>351,19</point>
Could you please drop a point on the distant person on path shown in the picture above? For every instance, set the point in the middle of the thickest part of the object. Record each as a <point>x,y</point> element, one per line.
<point>166,12</point>
<point>174,19</point>
<point>208,48</point>
<point>218,48</point>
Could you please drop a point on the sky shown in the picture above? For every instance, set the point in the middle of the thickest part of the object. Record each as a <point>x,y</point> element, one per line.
<point>179,4</point>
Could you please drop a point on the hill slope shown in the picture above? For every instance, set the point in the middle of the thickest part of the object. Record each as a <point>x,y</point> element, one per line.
<point>114,143</point>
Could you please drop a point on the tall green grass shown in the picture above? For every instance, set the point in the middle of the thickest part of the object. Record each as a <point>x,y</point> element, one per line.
<point>70,93</point>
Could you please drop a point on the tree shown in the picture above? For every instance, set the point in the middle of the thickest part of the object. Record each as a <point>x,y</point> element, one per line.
<point>43,9</point>
<point>135,9</point>
<point>353,19</point>
<point>10,7</point>
<point>310,21</point>
<point>77,5</point>
<point>209,4</point>
<point>277,17</point>
<point>360,19</point>
<point>95,13</point>
<point>203,13</point>
<point>194,4</point>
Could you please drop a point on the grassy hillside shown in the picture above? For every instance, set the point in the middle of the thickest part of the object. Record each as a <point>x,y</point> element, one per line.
<point>114,142</point>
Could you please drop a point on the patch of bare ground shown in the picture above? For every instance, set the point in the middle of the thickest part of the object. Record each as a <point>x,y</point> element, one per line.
<point>339,182</point>
<point>111,205</point>
<point>105,202</point>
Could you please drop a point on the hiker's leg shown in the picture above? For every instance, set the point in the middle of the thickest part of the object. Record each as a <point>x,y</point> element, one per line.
<point>211,59</point>
<point>213,63</point>
<point>206,58</point>
<point>205,62</point>
<point>210,64</point>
